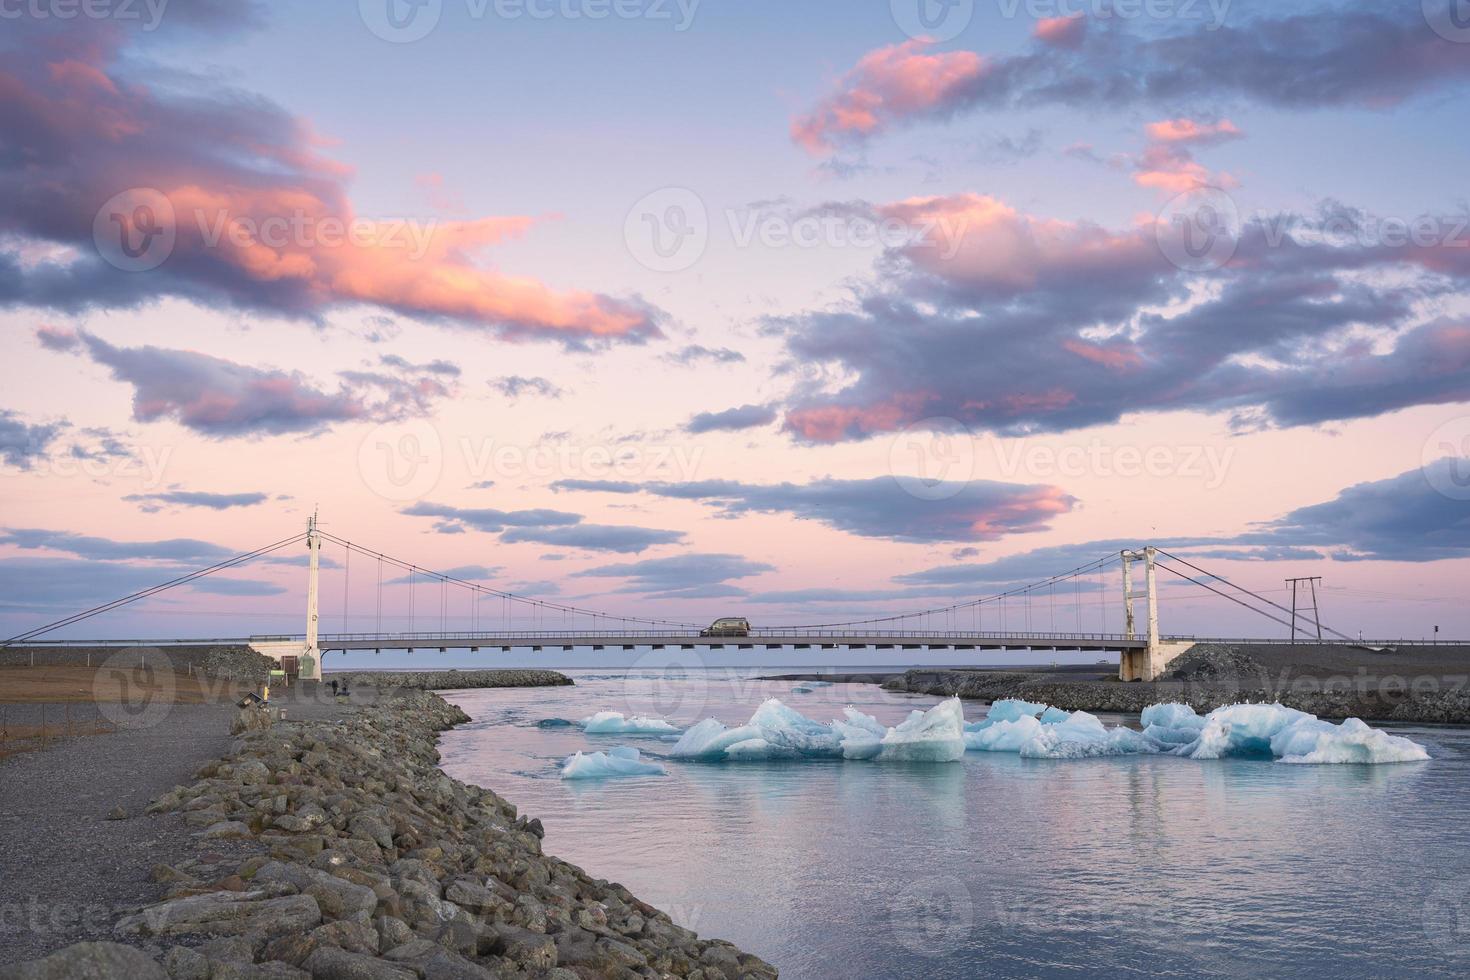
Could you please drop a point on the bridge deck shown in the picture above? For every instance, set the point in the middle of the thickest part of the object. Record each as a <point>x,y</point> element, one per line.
<point>880,640</point>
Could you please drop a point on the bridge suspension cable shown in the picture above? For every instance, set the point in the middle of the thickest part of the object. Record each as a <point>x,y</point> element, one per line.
<point>1026,590</point>
<point>538,606</point>
<point>1288,623</point>
<point>154,590</point>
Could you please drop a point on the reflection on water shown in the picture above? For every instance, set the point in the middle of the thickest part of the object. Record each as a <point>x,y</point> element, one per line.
<point>997,865</point>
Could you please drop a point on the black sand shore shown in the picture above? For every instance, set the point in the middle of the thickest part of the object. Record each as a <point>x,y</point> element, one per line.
<point>326,845</point>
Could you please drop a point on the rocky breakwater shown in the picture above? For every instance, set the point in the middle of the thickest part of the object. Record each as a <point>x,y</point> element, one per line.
<point>453,680</point>
<point>356,857</point>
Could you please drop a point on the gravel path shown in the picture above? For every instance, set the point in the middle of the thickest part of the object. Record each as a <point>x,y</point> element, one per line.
<point>66,870</point>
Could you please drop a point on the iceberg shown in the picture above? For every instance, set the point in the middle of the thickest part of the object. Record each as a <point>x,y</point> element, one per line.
<point>622,761</point>
<point>776,731</point>
<point>614,723</point>
<point>936,735</point>
<point>1012,709</point>
<point>1038,731</point>
<point>1351,742</point>
<point>1002,736</point>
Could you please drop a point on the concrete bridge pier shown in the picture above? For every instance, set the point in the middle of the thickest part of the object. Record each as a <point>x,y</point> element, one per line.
<point>308,654</point>
<point>1153,661</point>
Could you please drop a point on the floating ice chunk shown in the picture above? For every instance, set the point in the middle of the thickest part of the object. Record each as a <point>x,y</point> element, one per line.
<point>1002,736</point>
<point>936,735</point>
<point>801,689</point>
<point>1172,715</point>
<point>622,761</point>
<point>709,739</point>
<point>818,683</point>
<point>860,735</point>
<point>1085,743</point>
<point>1054,716</point>
<point>1317,741</point>
<point>614,723</point>
<point>1241,730</point>
<point>1012,709</point>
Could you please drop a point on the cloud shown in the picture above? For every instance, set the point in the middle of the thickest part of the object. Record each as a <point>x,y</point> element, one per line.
<point>1298,327</point>
<point>259,217</point>
<point>467,573</point>
<point>1359,56</point>
<point>696,576</point>
<point>23,444</point>
<point>236,586</point>
<point>1168,164</point>
<point>731,420</point>
<point>542,526</point>
<point>61,585</point>
<point>1402,518</point>
<point>489,519</point>
<point>694,353</point>
<point>196,498</point>
<point>595,537</point>
<point>879,507</point>
<point>514,386</point>
<point>888,86</point>
<point>223,399</point>
<point>183,550</point>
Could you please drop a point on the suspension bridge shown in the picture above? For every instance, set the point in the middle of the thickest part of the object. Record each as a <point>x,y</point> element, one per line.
<point>1030,617</point>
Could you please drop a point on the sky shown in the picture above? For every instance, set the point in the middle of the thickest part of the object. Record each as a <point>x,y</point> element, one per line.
<point>688,308</point>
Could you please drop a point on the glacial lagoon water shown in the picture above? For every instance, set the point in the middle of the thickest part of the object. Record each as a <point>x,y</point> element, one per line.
<point>995,865</point>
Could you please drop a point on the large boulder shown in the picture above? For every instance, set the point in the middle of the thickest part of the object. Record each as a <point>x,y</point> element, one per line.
<point>89,961</point>
<point>336,897</point>
<point>224,914</point>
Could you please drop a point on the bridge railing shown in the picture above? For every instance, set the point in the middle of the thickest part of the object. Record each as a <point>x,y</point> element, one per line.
<point>764,633</point>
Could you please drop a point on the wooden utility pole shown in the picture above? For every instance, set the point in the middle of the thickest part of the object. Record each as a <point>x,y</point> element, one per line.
<point>1311,581</point>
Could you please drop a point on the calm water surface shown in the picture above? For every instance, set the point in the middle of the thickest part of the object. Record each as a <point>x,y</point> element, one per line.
<point>997,865</point>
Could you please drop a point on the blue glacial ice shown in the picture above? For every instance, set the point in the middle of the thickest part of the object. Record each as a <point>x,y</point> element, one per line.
<point>778,732</point>
<point>614,723</point>
<point>622,761</point>
<point>1275,731</point>
<point>1039,731</point>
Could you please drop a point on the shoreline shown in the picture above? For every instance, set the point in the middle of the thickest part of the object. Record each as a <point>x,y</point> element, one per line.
<point>336,846</point>
<point>449,680</point>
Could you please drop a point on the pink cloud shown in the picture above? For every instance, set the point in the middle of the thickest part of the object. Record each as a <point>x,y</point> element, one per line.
<point>887,87</point>
<point>1185,130</point>
<point>1167,163</point>
<point>1062,32</point>
<point>983,242</point>
<point>233,166</point>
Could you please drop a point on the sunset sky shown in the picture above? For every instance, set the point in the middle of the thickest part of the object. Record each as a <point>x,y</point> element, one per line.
<point>798,311</point>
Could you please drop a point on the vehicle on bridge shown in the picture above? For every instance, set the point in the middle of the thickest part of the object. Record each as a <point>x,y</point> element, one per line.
<point>727,626</point>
